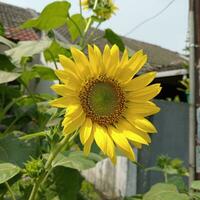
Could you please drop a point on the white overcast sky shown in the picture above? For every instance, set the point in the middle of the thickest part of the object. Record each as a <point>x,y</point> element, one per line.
<point>167,30</point>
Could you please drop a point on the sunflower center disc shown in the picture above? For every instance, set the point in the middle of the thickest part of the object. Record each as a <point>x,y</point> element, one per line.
<point>102,100</point>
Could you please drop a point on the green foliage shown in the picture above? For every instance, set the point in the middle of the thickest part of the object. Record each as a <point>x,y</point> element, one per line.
<point>88,192</point>
<point>27,48</point>
<point>5,64</point>
<point>6,77</point>
<point>113,38</point>
<point>76,160</point>
<point>76,25</point>
<point>30,130</point>
<point>68,182</point>
<point>15,151</point>
<point>56,49</point>
<point>34,167</point>
<point>44,72</point>
<point>8,171</point>
<point>169,166</point>
<point>53,16</point>
<point>195,185</point>
<point>165,192</point>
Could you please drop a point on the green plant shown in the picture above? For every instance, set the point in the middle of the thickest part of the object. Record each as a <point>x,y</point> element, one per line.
<point>30,130</point>
<point>173,186</point>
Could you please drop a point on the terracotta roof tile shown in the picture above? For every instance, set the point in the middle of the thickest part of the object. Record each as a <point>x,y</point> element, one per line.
<point>20,35</point>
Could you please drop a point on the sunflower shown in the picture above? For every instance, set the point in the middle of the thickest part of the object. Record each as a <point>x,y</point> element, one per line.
<point>104,102</point>
<point>103,9</point>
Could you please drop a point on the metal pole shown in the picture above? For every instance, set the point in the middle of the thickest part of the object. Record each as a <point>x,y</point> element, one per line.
<point>192,103</point>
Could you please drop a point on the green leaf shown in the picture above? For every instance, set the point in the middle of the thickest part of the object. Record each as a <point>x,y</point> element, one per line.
<point>5,63</point>
<point>156,169</point>
<point>53,16</point>
<point>113,38</point>
<point>6,77</point>
<point>76,160</point>
<point>27,48</point>
<point>195,185</point>
<point>54,50</point>
<point>14,151</point>
<point>28,76</point>
<point>34,135</point>
<point>45,73</point>
<point>165,192</point>
<point>68,183</point>
<point>178,182</point>
<point>7,42</point>
<point>76,25</point>
<point>8,171</point>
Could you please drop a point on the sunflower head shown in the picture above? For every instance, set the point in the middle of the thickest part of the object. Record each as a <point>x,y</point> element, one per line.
<point>103,10</point>
<point>104,101</point>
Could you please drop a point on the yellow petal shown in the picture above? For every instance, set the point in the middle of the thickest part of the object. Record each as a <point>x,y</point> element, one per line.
<point>67,64</point>
<point>93,61</point>
<point>132,67</point>
<point>140,82</point>
<point>144,108</point>
<point>104,141</point>
<point>137,145</point>
<point>68,79</point>
<point>142,124</point>
<point>63,102</point>
<point>82,63</point>
<point>106,57</point>
<point>144,94</point>
<point>121,142</point>
<point>88,144</point>
<point>124,58</point>
<point>135,57</point>
<point>79,57</point>
<point>132,133</point>
<point>85,130</point>
<point>123,62</point>
<point>114,61</point>
<point>71,125</point>
<point>99,59</point>
<point>73,108</point>
<point>63,90</point>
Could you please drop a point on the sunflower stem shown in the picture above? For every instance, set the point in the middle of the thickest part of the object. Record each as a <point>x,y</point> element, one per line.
<point>10,190</point>
<point>80,7</point>
<point>88,25</point>
<point>55,152</point>
<point>48,167</point>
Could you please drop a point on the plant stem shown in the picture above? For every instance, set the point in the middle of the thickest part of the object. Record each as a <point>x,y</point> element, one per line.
<point>80,7</point>
<point>166,177</point>
<point>57,149</point>
<point>88,25</point>
<point>12,124</point>
<point>91,35</point>
<point>10,190</point>
<point>48,167</point>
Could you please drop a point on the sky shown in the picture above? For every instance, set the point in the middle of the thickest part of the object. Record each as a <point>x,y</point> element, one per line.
<point>168,30</point>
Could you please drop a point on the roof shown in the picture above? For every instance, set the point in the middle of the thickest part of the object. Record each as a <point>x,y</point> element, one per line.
<point>160,59</point>
<point>12,17</point>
